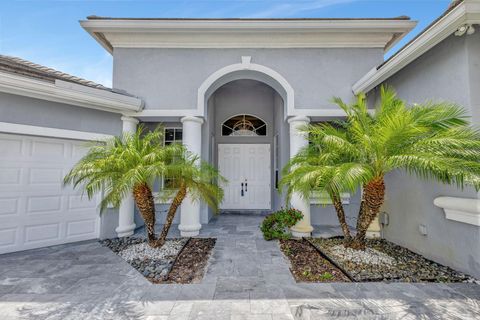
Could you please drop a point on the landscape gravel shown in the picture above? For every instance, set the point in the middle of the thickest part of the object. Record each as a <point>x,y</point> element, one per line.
<point>143,251</point>
<point>385,261</point>
<point>153,263</point>
<point>369,256</point>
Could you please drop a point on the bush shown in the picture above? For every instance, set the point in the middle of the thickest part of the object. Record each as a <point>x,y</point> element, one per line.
<point>276,225</point>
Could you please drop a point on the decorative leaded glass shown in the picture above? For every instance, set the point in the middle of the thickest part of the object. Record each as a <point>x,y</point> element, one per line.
<point>244,126</point>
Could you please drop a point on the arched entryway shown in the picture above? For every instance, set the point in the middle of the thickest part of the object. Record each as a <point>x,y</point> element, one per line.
<point>202,135</point>
<point>245,119</point>
<point>246,70</point>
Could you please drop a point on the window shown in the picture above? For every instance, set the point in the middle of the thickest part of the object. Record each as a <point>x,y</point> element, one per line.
<point>244,126</point>
<point>171,135</point>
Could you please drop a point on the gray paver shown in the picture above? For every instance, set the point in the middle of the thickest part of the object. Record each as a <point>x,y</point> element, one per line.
<point>247,278</point>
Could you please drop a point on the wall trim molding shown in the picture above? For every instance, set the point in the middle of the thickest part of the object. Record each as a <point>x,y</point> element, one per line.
<point>69,93</point>
<point>278,82</point>
<point>253,33</point>
<point>15,128</point>
<point>465,210</point>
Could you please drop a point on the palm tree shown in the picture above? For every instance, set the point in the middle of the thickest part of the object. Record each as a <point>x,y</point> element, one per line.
<point>321,166</point>
<point>431,141</point>
<point>196,178</point>
<point>132,164</point>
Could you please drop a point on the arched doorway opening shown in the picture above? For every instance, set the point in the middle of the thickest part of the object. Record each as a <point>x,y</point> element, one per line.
<point>246,124</point>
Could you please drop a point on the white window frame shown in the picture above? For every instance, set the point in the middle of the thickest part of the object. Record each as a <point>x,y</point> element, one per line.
<point>245,114</point>
<point>169,128</point>
<point>162,182</point>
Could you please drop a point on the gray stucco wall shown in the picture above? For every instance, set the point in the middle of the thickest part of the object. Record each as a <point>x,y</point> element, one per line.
<point>36,112</point>
<point>169,78</point>
<point>473,58</point>
<point>450,71</point>
<point>29,111</point>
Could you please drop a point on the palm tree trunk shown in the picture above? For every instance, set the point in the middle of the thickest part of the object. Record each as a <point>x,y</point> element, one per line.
<point>373,198</point>
<point>337,203</point>
<point>177,201</point>
<point>146,206</point>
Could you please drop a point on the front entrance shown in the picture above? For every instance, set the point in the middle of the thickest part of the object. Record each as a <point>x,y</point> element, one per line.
<point>248,171</point>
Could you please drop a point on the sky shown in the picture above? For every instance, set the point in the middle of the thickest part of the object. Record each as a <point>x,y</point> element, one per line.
<point>47,32</point>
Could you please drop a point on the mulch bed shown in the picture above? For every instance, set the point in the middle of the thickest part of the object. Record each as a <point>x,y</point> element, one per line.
<point>181,260</point>
<point>308,265</point>
<point>385,261</point>
<point>190,264</point>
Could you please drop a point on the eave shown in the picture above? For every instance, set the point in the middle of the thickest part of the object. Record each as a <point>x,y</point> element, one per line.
<point>467,12</point>
<point>69,93</point>
<point>253,33</point>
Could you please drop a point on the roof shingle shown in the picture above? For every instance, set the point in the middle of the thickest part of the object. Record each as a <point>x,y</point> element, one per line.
<point>29,69</point>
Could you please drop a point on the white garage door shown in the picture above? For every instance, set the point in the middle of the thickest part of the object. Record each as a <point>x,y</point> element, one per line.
<point>35,209</point>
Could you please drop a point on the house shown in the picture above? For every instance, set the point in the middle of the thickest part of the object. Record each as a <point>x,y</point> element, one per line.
<point>442,63</point>
<point>235,91</point>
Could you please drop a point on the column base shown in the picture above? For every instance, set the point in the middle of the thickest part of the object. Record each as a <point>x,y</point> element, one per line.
<point>301,232</point>
<point>189,234</point>
<point>125,231</point>
<point>189,230</point>
<point>374,229</point>
<point>373,234</point>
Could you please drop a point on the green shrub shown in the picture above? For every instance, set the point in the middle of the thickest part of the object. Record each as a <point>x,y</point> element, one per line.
<point>276,225</point>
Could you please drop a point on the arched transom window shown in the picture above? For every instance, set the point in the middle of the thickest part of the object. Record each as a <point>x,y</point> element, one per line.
<point>244,125</point>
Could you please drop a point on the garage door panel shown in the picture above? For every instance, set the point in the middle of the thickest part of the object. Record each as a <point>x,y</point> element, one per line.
<point>79,150</point>
<point>35,208</point>
<point>79,202</point>
<point>9,206</point>
<point>45,176</point>
<point>42,233</point>
<point>48,149</point>
<point>8,237</point>
<point>10,147</point>
<point>44,204</point>
<point>10,176</point>
<point>81,228</point>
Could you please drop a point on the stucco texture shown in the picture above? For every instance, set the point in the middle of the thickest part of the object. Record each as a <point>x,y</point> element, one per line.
<point>447,72</point>
<point>170,78</point>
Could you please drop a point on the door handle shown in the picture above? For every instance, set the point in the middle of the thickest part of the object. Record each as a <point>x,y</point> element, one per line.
<point>241,192</point>
<point>246,186</point>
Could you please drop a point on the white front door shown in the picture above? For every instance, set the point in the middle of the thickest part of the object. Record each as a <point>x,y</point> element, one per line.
<point>247,169</point>
<point>36,210</point>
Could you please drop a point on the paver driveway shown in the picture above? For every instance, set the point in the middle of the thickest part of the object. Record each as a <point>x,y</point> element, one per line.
<point>248,278</point>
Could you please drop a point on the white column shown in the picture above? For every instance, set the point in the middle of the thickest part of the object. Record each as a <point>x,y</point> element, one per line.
<point>297,141</point>
<point>126,224</point>
<point>190,210</point>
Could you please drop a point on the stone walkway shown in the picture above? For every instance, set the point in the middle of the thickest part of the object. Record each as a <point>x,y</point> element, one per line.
<point>248,278</point>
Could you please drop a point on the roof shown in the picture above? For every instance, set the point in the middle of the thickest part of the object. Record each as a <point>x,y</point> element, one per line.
<point>25,78</point>
<point>94,17</point>
<point>458,13</point>
<point>451,7</point>
<point>27,68</point>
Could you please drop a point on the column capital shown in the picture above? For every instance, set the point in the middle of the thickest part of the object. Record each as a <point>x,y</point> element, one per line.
<point>130,119</point>
<point>191,119</point>
<point>299,119</point>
